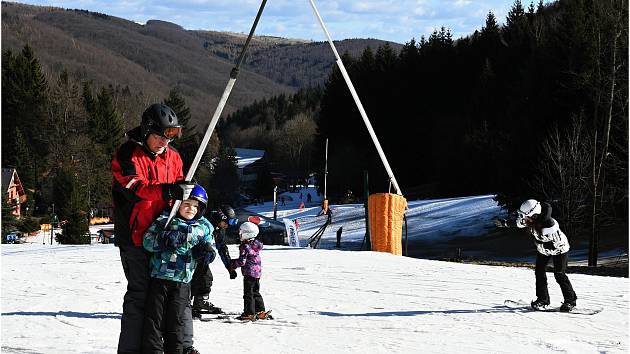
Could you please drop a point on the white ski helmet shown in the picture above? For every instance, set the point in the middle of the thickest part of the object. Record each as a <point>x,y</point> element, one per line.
<point>528,208</point>
<point>247,231</point>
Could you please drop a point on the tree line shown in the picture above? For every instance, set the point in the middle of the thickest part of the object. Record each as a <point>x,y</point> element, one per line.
<point>535,108</point>
<point>285,126</point>
<point>60,134</point>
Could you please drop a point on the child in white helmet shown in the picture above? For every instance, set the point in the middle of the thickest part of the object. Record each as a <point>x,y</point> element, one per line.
<point>550,242</point>
<point>251,268</point>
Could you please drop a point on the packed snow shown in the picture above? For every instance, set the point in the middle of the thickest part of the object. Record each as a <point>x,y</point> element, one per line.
<point>68,299</point>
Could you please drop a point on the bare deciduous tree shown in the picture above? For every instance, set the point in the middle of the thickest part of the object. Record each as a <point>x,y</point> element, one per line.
<point>609,34</point>
<point>296,141</point>
<point>561,177</point>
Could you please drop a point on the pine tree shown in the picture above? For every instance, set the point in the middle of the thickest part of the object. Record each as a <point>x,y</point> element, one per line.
<point>72,206</point>
<point>24,103</point>
<point>88,98</point>
<point>490,33</point>
<point>24,162</point>
<point>9,221</point>
<point>107,127</point>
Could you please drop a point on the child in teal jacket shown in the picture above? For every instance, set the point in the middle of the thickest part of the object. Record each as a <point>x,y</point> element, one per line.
<point>176,250</point>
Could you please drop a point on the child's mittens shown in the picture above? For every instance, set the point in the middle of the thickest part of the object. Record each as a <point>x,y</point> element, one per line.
<point>173,239</point>
<point>233,265</point>
<point>212,254</point>
<point>203,252</point>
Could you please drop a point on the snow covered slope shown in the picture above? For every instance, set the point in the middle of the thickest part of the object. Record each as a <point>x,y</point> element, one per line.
<point>68,299</point>
<point>437,228</point>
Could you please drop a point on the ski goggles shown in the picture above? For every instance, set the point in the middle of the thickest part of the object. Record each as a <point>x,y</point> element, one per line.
<point>169,133</point>
<point>232,221</point>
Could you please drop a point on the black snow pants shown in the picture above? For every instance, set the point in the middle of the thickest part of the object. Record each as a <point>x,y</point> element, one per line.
<point>201,282</point>
<point>135,263</point>
<point>559,269</point>
<point>253,301</point>
<point>165,316</point>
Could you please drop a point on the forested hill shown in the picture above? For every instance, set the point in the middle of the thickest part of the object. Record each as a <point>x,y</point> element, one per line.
<point>294,63</point>
<point>148,60</point>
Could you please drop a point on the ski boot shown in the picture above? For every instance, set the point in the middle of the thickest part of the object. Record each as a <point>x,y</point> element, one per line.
<point>540,304</point>
<point>264,315</point>
<point>191,350</point>
<point>567,306</point>
<point>202,306</point>
<point>244,317</point>
<point>196,315</point>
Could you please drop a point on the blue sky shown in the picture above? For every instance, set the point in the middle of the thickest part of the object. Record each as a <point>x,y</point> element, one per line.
<point>394,20</point>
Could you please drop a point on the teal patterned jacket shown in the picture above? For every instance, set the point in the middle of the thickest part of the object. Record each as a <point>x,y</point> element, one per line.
<point>175,264</point>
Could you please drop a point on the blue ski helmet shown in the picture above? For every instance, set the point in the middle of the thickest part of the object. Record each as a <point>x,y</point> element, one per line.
<point>199,194</point>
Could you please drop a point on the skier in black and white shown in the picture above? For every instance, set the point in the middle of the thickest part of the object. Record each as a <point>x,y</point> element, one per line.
<point>550,242</point>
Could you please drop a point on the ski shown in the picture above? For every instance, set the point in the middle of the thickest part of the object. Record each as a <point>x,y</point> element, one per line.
<point>524,305</point>
<point>207,317</point>
<point>232,317</point>
<point>213,311</point>
<point>266,316</point>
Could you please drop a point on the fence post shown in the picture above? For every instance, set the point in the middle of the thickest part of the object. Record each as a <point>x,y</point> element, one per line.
<point>366,196</point>
<point>338,245</point>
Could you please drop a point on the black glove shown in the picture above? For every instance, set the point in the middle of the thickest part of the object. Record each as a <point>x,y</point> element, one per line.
<point>500,222</point>
<point>210,256</point>
<point>203,252</point>
<point>232,273</point>
<point>549,245</point>
<point>177,191</point>
<point>172,239</point>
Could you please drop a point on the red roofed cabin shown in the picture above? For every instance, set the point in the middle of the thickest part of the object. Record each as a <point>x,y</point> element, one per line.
<point>13,190</point>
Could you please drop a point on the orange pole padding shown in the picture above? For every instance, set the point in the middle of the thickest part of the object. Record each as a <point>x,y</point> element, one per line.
<point>386,212</point>
<point>325,207</point>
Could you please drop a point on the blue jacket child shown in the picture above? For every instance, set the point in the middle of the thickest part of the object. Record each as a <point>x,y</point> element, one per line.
<point>176,251</point>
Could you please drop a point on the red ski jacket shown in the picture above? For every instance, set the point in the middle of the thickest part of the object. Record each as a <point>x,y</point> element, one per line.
<point>137,187</point>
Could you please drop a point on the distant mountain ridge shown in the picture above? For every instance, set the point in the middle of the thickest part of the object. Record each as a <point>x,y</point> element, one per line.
<point>153,58</point>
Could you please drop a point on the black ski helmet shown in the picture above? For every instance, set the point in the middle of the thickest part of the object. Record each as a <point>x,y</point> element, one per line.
<point>223,213</point>
<point>160,119</point>
<point>228,211</point>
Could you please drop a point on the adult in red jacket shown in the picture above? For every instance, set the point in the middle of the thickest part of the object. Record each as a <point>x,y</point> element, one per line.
<point>147,176</point>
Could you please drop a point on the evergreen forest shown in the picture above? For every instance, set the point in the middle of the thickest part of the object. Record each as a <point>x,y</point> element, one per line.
<point>533,107</point>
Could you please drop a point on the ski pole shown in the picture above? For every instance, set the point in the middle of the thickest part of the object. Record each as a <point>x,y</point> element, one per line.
<point>217,112</point>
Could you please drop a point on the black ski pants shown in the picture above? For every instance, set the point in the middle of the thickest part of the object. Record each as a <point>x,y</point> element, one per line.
<point>559,269</point>
<point>253,301</point>
<point>165,317</point>
<point>135,263</point>
<point>201,282</point>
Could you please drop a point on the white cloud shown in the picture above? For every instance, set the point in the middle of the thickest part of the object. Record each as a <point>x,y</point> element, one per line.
<point>462,3</point>
<point>396,20</point>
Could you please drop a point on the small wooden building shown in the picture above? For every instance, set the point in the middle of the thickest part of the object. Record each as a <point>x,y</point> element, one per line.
<point>13,190</point>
